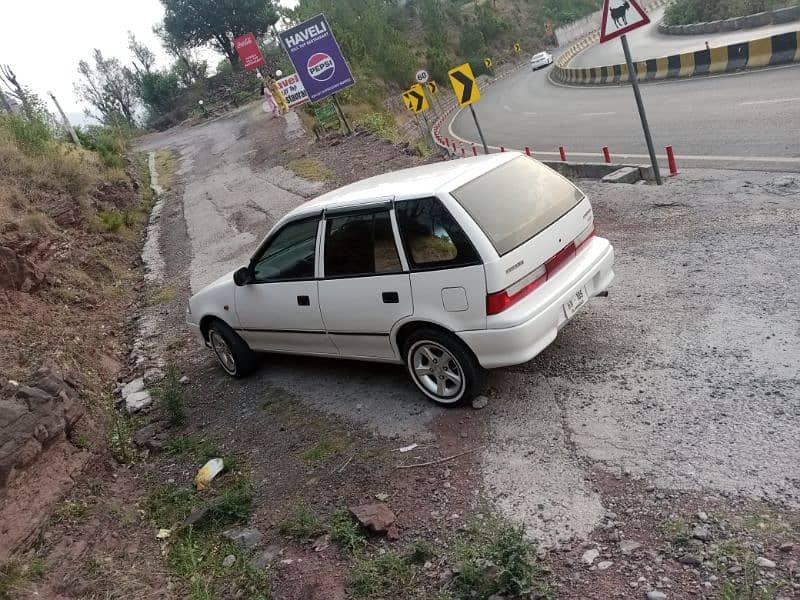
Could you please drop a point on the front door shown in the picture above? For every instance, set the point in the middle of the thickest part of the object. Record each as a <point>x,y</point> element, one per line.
<point>279,311</point>
<point>365,290</point>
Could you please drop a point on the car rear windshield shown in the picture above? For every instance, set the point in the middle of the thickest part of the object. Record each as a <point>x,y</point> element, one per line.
<point>516,201</point>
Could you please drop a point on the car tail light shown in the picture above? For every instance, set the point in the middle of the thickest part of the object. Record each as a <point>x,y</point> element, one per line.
<point>500,301</point>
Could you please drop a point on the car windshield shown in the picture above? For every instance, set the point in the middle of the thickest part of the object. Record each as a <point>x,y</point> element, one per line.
<point>516,201</point>
<point>540,55</point>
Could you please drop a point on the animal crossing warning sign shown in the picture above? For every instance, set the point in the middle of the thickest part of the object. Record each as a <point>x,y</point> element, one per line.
<point>620,17</point>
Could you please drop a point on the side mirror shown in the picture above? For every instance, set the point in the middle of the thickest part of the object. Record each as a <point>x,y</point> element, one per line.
<point>242,276</point>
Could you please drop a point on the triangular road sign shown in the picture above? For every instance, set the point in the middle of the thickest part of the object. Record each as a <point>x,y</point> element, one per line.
<point>620,17</point>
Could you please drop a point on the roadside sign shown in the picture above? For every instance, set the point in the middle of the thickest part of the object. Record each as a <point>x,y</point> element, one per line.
<point>416,100</point>
<point>421,76</point>
<point>488,62</point>
<point>620,17</point>
<point>249,52</point>
<point>517,48</point>
<point>433,87</point>
<point>293,90</point>
<point>548,28</point>
<point>317,58</point>
<point>464,84</point>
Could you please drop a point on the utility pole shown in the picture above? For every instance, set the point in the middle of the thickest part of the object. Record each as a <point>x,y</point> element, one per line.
<point>67,124</point>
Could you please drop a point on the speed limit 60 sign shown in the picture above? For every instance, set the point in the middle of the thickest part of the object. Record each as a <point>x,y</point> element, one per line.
<point>421,76</point>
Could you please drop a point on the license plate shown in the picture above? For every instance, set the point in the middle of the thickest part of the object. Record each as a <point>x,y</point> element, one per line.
<point>574,304</point>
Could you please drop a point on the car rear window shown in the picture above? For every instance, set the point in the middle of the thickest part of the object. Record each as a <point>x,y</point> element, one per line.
<point>516,201</point>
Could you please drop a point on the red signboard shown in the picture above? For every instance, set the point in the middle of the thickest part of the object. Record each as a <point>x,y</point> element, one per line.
<point>249,52</point>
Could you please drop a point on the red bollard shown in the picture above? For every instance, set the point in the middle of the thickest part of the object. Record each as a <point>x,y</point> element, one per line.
<point>528,151</point>
<point>563,154</point>
<point>673,166</point>
<point>502,149</point>
<point>474,150</point>
<point>463,152</point>
<point>607,154</point>
<point>446,142</point>
<point>454,146</point>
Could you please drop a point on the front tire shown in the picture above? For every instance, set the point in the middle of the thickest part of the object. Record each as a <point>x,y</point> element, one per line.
<point>443,367</point>
<point>232,352</point>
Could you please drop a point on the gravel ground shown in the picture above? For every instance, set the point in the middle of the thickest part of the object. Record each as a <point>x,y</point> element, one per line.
<point>686,376</point>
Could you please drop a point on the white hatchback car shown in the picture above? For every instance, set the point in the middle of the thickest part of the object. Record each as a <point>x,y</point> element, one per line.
<point>540,60</point>
<point>449,268</point>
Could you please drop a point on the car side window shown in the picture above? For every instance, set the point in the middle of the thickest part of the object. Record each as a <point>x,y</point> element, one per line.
<point>432,237</point>
<point>361,244</point>
<point>289,254</point>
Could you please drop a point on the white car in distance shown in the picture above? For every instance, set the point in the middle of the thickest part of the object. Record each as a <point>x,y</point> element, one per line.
<point>450,269</point>
<point>541,60</point>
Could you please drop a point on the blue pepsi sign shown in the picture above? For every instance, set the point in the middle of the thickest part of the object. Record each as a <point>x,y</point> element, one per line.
<point>317,58</point>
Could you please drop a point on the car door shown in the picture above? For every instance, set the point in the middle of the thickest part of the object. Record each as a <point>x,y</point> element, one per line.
<point>279,309</point>
<point>365,289</point>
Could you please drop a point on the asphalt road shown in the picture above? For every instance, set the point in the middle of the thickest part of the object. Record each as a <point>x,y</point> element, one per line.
<point>748,121</point>
<point>646,42</point>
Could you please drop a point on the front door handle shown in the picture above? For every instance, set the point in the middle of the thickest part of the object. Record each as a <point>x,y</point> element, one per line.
<point>303,301</point>
<point>391,298</point>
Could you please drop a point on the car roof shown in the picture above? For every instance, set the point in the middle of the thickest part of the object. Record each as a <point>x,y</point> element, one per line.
<point>416,182</point>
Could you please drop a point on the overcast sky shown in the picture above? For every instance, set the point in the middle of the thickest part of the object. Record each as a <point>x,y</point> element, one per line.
<point>43,40</point>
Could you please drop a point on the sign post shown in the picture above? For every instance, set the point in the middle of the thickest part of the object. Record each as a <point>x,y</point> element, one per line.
<point>318,60</point>
<point>467,92</point>
<point>618,20</point>
<point>249,52</point>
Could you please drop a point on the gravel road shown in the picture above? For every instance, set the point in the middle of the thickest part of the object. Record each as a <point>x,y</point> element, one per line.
<point>686,376</point>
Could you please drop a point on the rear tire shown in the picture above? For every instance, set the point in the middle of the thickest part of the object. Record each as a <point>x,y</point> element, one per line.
<point>232,352</point>
<point>443,367</point>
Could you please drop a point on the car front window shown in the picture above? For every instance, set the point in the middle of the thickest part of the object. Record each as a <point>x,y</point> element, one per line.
<point>289,254</point>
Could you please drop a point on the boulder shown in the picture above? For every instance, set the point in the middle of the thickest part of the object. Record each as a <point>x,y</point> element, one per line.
<point>377,518</point>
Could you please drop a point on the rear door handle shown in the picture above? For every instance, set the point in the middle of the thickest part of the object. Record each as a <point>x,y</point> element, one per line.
<point>303,301</point>
<point>391,298</point>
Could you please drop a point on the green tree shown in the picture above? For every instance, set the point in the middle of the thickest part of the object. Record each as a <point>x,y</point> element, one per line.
<point>109,88</point>
<point>193,23</point>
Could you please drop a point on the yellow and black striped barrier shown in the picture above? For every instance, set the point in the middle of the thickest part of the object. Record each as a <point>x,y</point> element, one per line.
<point>765,52</point>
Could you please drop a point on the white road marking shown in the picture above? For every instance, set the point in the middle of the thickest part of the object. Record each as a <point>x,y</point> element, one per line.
<point>529,114</point>
<point>776,101</point>
<point>598,114</point>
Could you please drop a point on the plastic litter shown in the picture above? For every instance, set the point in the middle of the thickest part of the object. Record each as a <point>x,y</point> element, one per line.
<point>407,448</point>
<point>163,534</point>
<point>207,472</point>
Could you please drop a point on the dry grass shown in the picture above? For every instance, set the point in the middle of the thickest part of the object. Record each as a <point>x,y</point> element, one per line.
<point>310,168</point>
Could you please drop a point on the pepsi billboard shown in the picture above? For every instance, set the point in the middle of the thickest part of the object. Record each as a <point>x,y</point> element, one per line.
<point>317,58</point>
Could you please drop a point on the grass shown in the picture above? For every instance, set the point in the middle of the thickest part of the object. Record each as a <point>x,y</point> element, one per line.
<point>346,533</point>
<point>310,168</point>
<point>765,521</point>
<point>302,524</point>
<point>676,530</point>
<point>164,296</point>
<point>201,449</point>
<point>381,124</point>
<point>196,553</point>
<point>16,576</point>
<point>72,511</point>
<point>112,220</point>
<point>378,576</point>
<point>170,395</point>
<point>495,558</point>
<point>166,165</point>
<point>420,552</point>
<point>120,438</point>
<point>323,450</point>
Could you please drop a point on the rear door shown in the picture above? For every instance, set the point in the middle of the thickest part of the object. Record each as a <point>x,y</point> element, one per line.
<point>364,290</point>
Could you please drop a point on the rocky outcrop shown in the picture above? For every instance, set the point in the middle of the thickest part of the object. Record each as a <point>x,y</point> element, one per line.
<point>33,416</point>
<point>17,273</point>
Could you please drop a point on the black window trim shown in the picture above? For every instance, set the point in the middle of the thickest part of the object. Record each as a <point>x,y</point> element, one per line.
<point>265,244</point>
<point>372,208</point>
<point>439,266</point>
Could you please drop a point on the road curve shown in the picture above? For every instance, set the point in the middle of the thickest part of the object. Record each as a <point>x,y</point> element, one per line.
<point>749,120</point>
<point>646,42</point>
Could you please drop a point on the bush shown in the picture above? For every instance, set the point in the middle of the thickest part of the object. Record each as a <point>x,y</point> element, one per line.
<point>112,220</point>
<point>171,396</point>
<point>686,12</point>
<point>381,124</point>
<point>32,136</point>
<point>110,143</point>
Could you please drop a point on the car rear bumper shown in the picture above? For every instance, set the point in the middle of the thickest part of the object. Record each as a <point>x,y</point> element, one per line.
<point>591,270</point>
